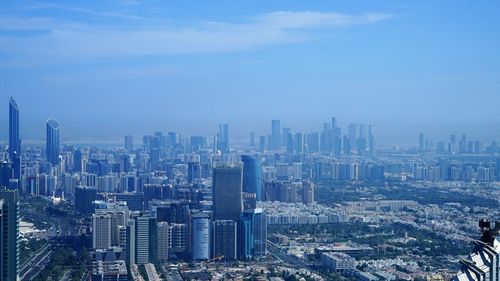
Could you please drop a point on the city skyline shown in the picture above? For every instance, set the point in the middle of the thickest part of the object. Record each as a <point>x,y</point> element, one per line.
<point>240,138</point>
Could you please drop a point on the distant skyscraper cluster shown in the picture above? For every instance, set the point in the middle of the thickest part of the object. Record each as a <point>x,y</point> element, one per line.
<point>360,140</point>
<point>455,145</point>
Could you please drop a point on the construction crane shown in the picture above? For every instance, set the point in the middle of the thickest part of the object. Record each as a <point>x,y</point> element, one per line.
<point>219,258</point>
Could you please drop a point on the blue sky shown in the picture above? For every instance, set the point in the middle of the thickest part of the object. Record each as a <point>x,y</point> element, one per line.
<point>108,68</point>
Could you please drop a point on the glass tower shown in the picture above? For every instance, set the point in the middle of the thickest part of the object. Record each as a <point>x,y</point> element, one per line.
<point>227,193</point>
<point>9,238</point>
<point>53,141</point>
<point>252,174</point>
<point>14,140</point>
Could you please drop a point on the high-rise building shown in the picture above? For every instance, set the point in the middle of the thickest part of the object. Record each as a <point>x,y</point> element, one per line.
<point>101,231</point>
<point>298,143</point>
<point>252,175</point>
<point>9,238</point>
<point>194,171</point>
<point>131,241</point>
<point>164,241</point>
<point>223,137</point>
<point>225,239</point>
<point>252,139</point>
<point>154,153</point>
<point>201,236</point>
<point>78,161</point>
<point>297,171</point>
<point>142,240</point>
<point>227,193</point>
<point>197,143</point>
<point>153,240</point>
<point>275,135</point>
<point>260,233</point>
<point>179,237</point>
<point>84,198</point>
<point>129,143</point>
<point>421,142</point>
<point>371,141</point>
<point>263,143</point>
<point>246,237</point>
<point>6,174</point>
<point>14,138</point>
<point>116,214</point>
<point>312,142</point>
<point>307,192</point>
<point>52,148</point>
<point>353,134</point>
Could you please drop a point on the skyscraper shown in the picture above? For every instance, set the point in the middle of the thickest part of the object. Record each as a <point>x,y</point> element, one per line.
<point>252,139</point>
<point>154,153</point>
<point>246,237</point>
<point>252,176</point>
<point>194,171</point>
<point>223,137</point>
<point>84,198</point>
<point>129,143</point>
<point>9,238</point>
<point>227,193</point>
<point>14,139</point>
<point>142,240</point>
<point>131,244</point>
<point>371,141</point>
<point>6,174</point>
<point>52,141</point>
<point>164,238</point>
<point>260,233</point>
<point>421,142</point>
<point>201,236</point>
<point>298,143</point>
<point>275,135</point>
<point>101,231</point>
<point>263,143</point>
<point>353,134</point>
<point>225,239</point>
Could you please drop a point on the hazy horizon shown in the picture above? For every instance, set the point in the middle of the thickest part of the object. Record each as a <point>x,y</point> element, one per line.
<point>104,70</point>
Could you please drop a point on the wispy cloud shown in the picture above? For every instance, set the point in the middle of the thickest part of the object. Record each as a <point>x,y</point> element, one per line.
<point>40,5</point>
<point>68,39</point>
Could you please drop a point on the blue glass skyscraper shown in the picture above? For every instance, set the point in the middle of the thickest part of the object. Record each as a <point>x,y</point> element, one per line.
<point>9,235</point>
<point>246,235</point>
<point>227,193</point>
<point>53,141</point>
<point>252,176</point>
<point>14,140</point>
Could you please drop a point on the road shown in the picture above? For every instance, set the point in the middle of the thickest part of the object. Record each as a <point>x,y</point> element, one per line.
<point>36,263</point>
